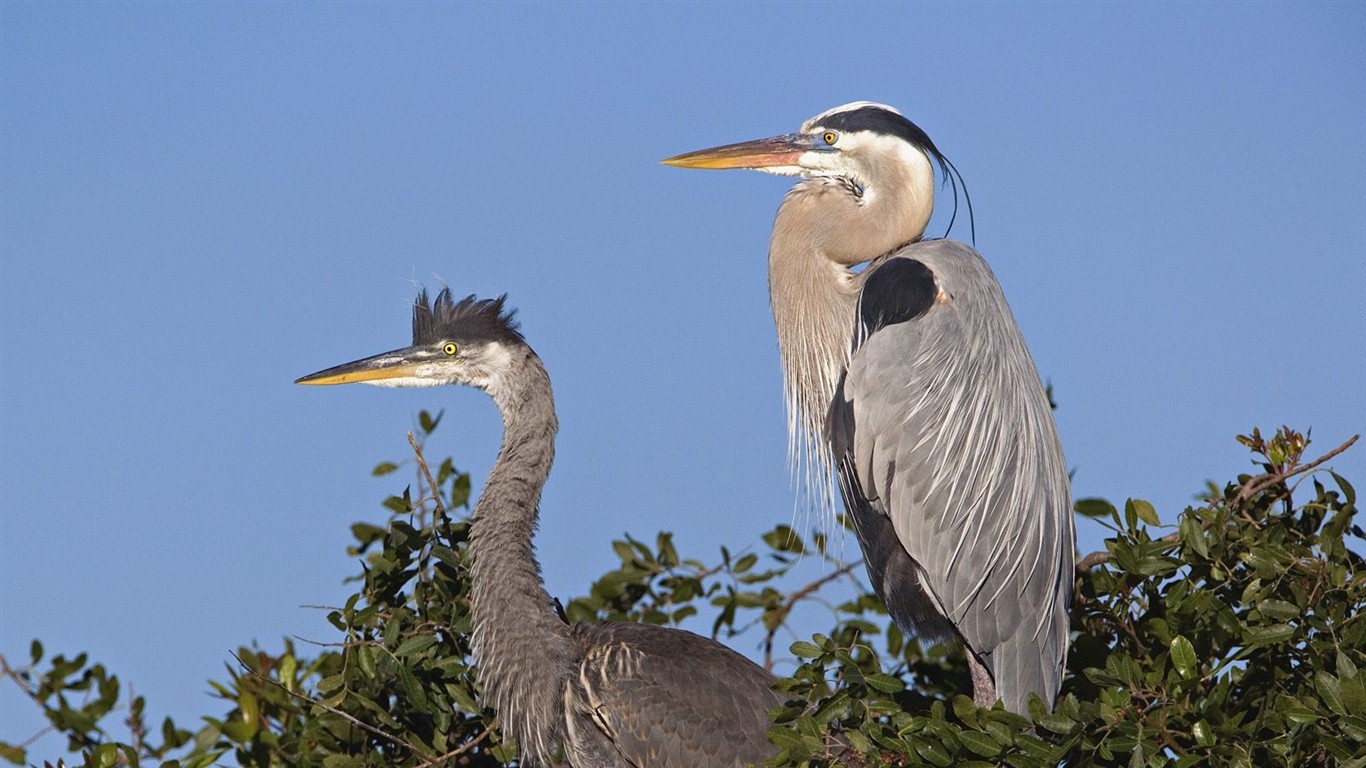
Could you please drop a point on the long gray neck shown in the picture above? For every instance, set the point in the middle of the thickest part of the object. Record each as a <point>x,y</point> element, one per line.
<point>522,646</point>
<point>813,300</point>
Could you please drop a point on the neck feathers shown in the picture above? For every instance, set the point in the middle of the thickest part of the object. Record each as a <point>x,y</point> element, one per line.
<point>822,229</point>
<point>813,300</point>
<point>522,646</point>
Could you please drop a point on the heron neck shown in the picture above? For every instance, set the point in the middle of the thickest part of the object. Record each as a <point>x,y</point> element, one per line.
<point>522,646</point>
<point>813,300</point>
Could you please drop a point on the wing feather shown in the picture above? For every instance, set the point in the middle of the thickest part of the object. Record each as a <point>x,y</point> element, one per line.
<point>666,698</point>
<point>941,428</point>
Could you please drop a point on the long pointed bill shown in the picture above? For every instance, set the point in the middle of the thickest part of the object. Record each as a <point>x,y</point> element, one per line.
<point>777,151</point>
<point>398,364</point>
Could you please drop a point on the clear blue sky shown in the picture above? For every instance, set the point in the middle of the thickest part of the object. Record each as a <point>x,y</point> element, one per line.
<point>201,202</point>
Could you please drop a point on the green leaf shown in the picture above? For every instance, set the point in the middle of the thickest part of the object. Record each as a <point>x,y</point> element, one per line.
<point>1058,723</point>
<point>416,695</point>
<point>1278,609</point>
<point>1301,715</point>
<point>1142,510</point>
<point>1269,635</point>
<point>1345,667</point>
<point>365,657</point>
<point>12,753</point>
<point>804,650</point>
<point>934,753</point>
<point>1355,727</point>
<point>786,738</point>
<point>1330,690</point>
<point>415,645</point>
<point>980,743</point>
<point>784,539</point>
<point>1183,657</point>
<point>1193,536</point>
<point>885,683</point>
<point>428,422</point>
<point>1094,508</point>
<point>383,468</point>
<point>460,491</point>
<point>668,554</point>
<point>105,755</point>
<point>1201,731</point>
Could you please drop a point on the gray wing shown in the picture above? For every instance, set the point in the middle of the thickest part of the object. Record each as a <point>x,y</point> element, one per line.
<point>665,698</point>
<point>951,469</point>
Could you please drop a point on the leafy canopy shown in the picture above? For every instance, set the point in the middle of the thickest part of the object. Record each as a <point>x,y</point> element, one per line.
<point>1232,635</point>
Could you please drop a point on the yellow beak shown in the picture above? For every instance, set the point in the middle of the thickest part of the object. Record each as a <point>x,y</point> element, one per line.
<point>782,150</point>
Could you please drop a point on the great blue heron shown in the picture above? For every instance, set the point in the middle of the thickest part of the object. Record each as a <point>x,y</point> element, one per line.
<point>615,695</point>
<point>911,378</point>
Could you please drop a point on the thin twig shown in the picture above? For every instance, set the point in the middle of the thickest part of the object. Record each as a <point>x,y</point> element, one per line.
<point>462,749</point>
<point>427,473</point>
<point>11,673</point>
<point>791,602</point>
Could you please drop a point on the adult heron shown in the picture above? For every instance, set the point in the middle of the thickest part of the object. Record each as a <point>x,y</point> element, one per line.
<point>614,695</point>
<point>911,379</point>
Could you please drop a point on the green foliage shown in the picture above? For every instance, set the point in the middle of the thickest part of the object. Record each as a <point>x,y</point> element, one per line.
<point>1232,635</point>
<point>1235,639</point>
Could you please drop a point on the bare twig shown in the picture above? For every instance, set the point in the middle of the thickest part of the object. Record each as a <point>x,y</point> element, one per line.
<point>1092,560</point>
<point>796,597</point>
<point>13,674</point>
<point>427,473</point>
<point>460,750</point>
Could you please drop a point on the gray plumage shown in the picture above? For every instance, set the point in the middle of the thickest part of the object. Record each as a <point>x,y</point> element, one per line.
<point>911,383</point>
<point>612,695</point>
<point>943,439</point>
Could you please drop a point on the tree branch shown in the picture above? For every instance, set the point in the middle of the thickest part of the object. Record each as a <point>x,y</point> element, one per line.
<point>791,602</point>
<point>1251,488</point>
<point>1263,481</point>
<point>460,750</point>
<point>427,473</point>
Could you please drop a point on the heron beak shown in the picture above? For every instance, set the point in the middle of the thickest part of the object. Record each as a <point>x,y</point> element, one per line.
<point>400,363</point>
<point>777,151</point>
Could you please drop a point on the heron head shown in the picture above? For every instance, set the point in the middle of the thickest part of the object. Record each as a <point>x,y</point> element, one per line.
<point>855,139</point>
<point>454,342</point>
<point>871,149</point>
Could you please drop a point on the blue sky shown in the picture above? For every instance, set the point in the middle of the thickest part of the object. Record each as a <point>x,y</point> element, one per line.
<point>201,202</point>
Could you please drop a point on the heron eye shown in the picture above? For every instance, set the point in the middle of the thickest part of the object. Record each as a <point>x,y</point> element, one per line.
<point>450,348</point>
<point>830,137</point>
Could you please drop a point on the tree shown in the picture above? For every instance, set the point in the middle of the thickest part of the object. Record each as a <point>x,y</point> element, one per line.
<point>1233,635</point>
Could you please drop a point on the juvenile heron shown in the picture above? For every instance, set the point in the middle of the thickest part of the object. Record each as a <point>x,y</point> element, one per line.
<point>614,695</point>
<point>912,380</point>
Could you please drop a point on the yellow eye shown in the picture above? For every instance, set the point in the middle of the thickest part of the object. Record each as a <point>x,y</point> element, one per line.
<point>830,137</point>
<point>450,348</point>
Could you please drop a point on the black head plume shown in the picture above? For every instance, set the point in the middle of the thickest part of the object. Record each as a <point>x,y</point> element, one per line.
<point>879,119</point>
<point>467,321</point>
